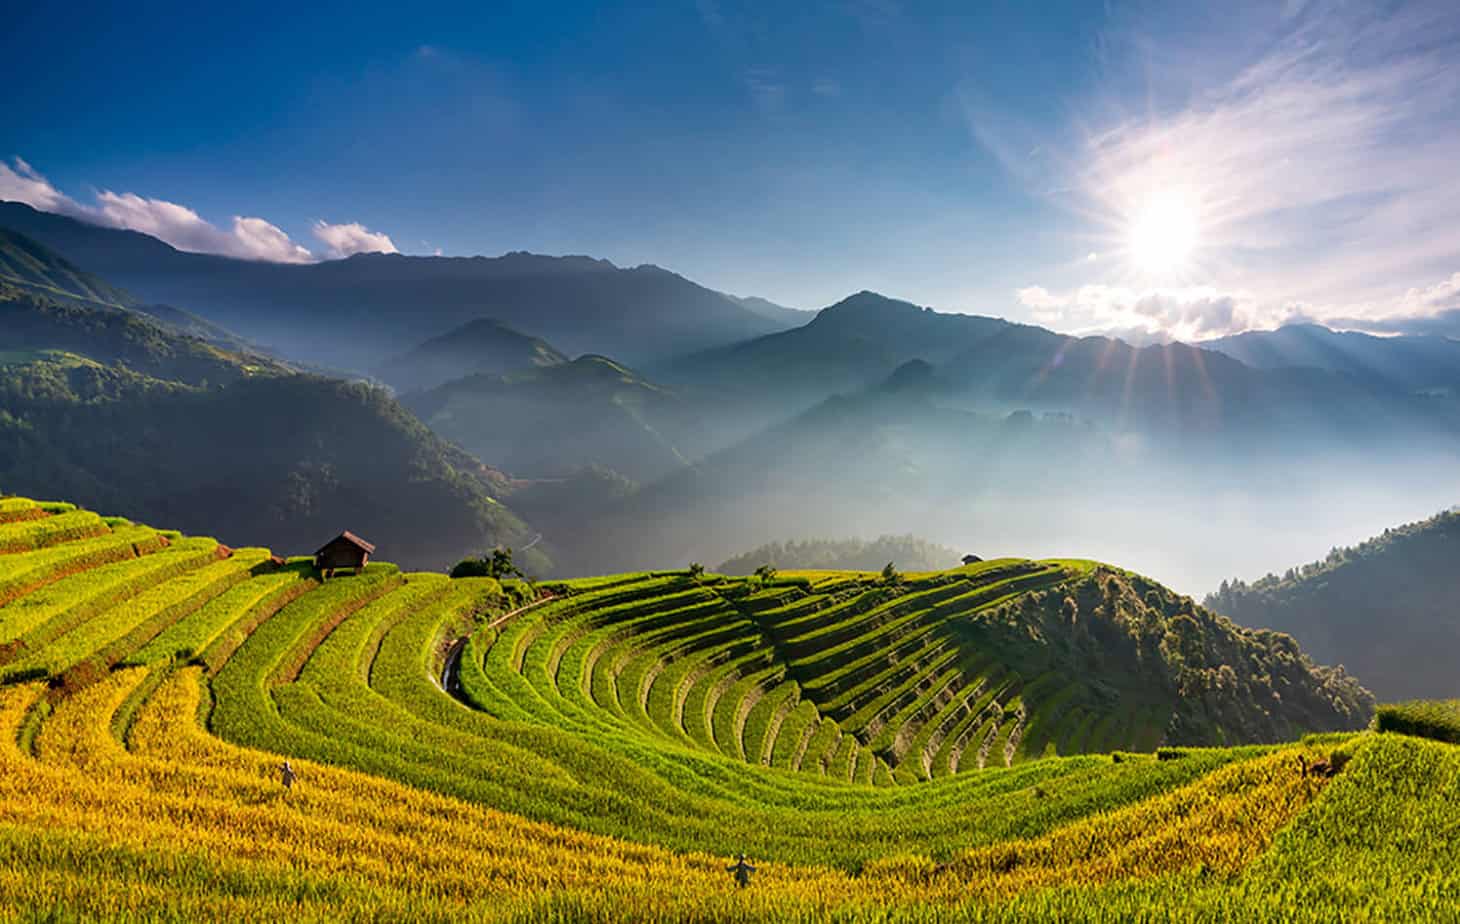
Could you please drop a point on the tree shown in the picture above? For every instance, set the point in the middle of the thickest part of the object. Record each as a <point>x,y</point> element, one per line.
<point>696,571</point>
<point>890,574</point>
<point>765,573</point>
<point>495,564</point>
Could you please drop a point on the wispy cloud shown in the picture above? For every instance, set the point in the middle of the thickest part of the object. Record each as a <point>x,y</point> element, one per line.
<point>246,237</point>
<point>1191,314</point>
<point>347,239</point>
<point>1321,168</point>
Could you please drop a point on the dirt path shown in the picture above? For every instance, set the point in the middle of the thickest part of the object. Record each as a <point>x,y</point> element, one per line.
<point>451,670</point>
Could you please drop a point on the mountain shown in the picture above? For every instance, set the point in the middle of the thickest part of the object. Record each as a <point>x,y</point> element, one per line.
<point>484,346</point>
<point>908,553</point>
<point>1387,609</point>
<point>1413,363</point>
<point>881,460</point>
<point>358,312</point>
<point>115,335</point>
<point>27,264</point>
<point>992,364</point>
<point>117,410</point>
<point>848,346</point>
<point>554,419</point>
<point>789,317</point>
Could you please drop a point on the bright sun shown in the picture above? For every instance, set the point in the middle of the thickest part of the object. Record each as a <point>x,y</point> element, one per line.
<point>1163,234</point>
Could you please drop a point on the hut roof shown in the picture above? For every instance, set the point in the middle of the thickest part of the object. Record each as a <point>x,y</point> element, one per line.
<point>350,538</point>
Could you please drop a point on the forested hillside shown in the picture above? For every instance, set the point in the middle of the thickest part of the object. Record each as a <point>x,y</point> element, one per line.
<point>907,553</point>
<point>118,409</point>
<point>485,346</point>
<point>1387,609</point>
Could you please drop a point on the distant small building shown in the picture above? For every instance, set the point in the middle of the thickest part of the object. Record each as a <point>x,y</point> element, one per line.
<point>971,559</point>
<point>346,550</point>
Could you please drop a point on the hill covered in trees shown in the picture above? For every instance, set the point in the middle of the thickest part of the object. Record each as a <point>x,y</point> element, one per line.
<point>485,346</point>
<point>122,410</point>
<point>1387,609</point>
<point>907,553</point>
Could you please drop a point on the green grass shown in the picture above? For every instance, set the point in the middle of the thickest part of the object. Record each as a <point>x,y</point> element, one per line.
<point>1438,719</point>
<point>691,718</point>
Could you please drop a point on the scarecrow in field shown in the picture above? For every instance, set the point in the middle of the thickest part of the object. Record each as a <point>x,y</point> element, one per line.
<point>742,871</point>
<point>286,776</point>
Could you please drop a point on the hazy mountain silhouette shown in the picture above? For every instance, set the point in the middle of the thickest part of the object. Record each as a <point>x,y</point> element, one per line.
<point>1413,363</point>
<point>485,346</point>
<point>356,313</point>
<point>789,317</point>
<point>552,420</point>
<point>992,364</point>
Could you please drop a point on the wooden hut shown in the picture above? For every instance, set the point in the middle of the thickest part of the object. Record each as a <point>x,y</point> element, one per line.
<point>346,550</point>
<point>971,559</point>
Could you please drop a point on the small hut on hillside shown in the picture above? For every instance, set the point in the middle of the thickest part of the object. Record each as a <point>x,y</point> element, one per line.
<point>971,559</point>
<point>346,550</point>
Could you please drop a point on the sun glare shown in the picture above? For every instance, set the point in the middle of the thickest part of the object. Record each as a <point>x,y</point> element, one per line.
<point>1163,234</point>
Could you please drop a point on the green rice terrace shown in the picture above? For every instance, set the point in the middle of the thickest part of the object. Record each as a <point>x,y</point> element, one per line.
<point>1008,740</point>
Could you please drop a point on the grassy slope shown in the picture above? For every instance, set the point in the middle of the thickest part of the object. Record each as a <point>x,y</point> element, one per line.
<point>576,730</point>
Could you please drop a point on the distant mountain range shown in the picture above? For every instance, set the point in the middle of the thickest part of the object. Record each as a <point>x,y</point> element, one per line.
<point>1414,363</point>
<point>1387,609</point>
<point>357,313</point>
<point>125,411</point>
<point>992,364</point>
<point>694,423</point>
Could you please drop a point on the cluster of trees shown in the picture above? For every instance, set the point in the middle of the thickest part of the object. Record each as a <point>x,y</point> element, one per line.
<point>1164,649</point>
<point>909,552</point>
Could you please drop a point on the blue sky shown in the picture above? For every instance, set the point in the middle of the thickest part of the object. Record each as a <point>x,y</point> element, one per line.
<point>1126,167</point>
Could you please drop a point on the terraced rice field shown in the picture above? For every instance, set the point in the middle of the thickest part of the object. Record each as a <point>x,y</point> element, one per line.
<point>600,753</point>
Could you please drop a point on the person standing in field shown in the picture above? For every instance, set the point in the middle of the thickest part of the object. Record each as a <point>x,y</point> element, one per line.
<point>742,871</point>
<point>286,776</point>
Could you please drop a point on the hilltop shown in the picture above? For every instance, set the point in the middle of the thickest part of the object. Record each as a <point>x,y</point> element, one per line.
<point>909,553</point>
<point>464,749</point>
<point>554,419</point>
<point>485,346</point>
<point>1386,608</point>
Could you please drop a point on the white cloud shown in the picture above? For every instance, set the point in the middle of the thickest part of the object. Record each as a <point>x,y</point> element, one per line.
<point>346,239</point>
<point>1442,296</point>
<point>1189,314</point>
<point>24,184</point>
<point>247,238</point>
<point>180,226</point>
